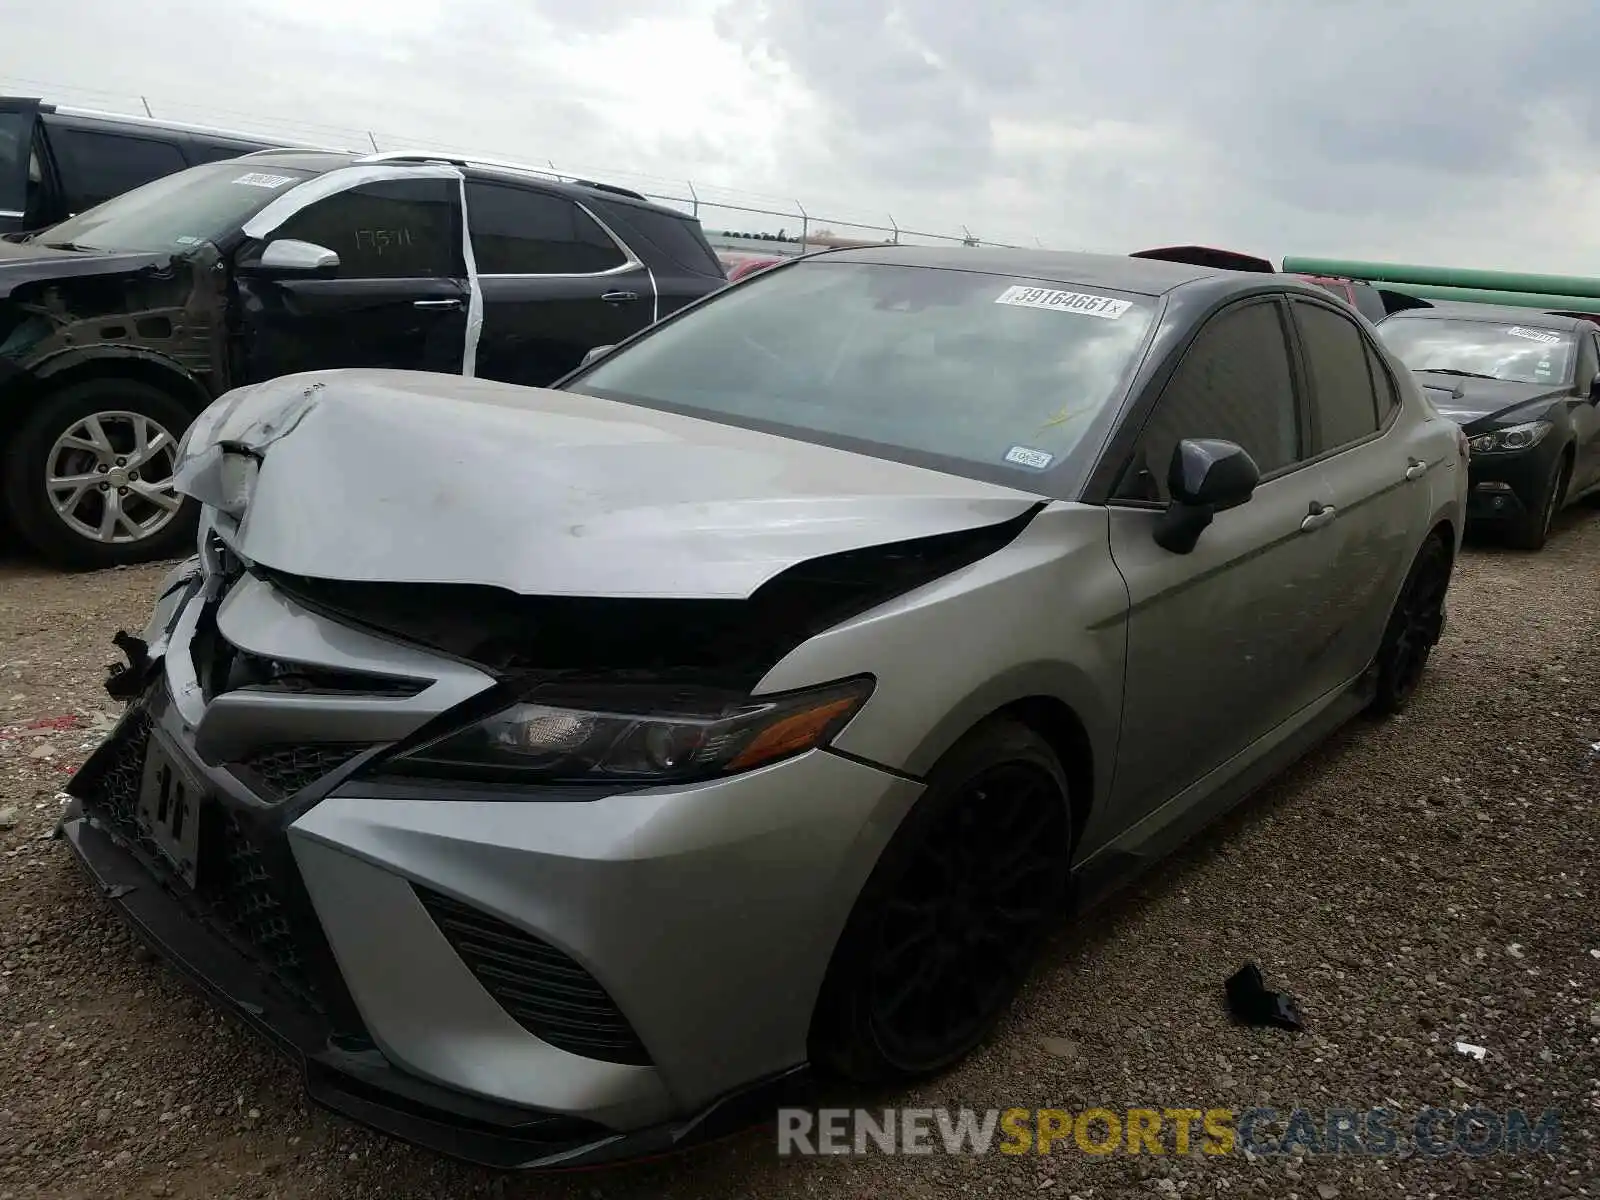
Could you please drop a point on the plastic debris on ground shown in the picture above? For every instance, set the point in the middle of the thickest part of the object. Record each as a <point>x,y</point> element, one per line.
<point>1471,1051</point>
<point>1252,1002</point>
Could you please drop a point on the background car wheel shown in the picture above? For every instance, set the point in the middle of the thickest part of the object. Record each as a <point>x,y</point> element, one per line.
<point>1414,628</point>
<point>1533,530</point>
<point>88,475</point>
<point>947,925</point>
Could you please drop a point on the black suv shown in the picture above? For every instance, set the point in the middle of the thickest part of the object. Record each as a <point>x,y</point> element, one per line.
<point>119,325</point>
<point>55,162</point>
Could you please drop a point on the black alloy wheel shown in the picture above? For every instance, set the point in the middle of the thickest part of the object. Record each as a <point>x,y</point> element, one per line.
<point>947,927</point>
<point>1414,628</point>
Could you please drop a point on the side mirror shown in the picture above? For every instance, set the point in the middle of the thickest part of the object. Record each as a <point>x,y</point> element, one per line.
<point>1594,390</point>
<point>1206,476</point>
<point>597,352</point>
<point>289,256</point>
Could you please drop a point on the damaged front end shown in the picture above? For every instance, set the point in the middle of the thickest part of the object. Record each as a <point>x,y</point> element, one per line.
<point>511,652</point>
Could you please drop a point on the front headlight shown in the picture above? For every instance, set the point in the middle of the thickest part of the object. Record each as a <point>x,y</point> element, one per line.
<point>1513,437</point>
<point>643,735</point>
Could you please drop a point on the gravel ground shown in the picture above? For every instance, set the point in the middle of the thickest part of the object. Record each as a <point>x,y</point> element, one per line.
<point>1413,884</point>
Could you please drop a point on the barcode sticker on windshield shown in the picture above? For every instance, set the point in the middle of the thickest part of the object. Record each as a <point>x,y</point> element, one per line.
<point>1027,456</point>
<point>256,179</point>
<point>1535,335</point>
<point>1081,303</point>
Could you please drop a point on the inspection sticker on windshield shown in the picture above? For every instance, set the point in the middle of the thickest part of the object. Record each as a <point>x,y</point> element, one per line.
<point>256,179</point>
<point>1073,302</point>
<point>1026,456</point>
<point>1535,335</point>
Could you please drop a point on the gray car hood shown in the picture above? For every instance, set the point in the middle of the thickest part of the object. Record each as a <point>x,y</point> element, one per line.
<point>406,477</point>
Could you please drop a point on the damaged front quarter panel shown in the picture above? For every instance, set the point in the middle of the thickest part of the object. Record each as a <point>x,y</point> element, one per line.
<point>62,310</point>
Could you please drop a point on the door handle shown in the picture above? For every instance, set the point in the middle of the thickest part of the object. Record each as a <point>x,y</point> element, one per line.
<point>1417,469</point>
<point>1319,516</point>
<point>436,304</point>
<point>619,297</point>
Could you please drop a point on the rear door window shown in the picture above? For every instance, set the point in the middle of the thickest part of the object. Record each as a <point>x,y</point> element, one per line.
<point>1383,386</point>
<point>1344,407</point>
<point>519,231</point>
<point>97,166</point>
<point>389,229</point>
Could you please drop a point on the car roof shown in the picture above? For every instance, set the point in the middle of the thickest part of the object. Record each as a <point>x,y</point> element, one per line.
<point>1512,313</point>
<point>323,161</point>
<point>1119,272</point>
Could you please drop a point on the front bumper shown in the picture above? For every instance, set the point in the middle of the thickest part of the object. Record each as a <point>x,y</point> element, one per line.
<point>357,925</point>
<point>1507,487</point>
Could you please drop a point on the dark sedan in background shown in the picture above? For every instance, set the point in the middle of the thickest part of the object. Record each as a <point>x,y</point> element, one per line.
<point>1525,387</point>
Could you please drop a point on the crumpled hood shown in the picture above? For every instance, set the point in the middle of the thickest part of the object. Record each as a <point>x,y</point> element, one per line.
<point>1490,402</point>
<point>408,477</point>
<point>29,262</point>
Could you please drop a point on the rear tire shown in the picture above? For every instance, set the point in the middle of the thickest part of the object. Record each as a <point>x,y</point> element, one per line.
<point>1532,530</point>
<point>87,430</point>
<point>1414,628</point>
<point>947,926</point>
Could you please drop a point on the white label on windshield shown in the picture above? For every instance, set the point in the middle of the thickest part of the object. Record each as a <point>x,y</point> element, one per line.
<point>1073,302</point>
<point>255,179</point>
<point>1535,335</point>
<point>1026,456</point>
<point>187,241</point>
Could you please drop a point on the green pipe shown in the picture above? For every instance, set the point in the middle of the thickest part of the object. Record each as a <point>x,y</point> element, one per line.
<point>1484,296</point>
<point>1456,277</point>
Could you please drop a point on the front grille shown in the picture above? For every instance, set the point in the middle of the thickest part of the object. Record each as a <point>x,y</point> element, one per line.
<point>250,902</point>
<point>543,990</point>
<point>284,770</point>
<point>249,889</point>
<point>115,794</point>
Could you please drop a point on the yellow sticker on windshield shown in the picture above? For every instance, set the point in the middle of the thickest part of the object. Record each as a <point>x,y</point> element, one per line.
<point>1081,303</point>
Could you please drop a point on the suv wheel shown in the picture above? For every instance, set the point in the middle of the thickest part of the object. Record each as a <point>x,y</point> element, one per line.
<point>89,475</point>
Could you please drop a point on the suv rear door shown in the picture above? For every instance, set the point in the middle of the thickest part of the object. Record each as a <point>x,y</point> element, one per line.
<point>556,283</point>
<point>18,120</point>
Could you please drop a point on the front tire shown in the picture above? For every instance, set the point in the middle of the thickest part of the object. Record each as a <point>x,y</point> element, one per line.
<point>88,476</point>
<point>948,924</point>
<point>1532,530</point>
<point>1414,628</point>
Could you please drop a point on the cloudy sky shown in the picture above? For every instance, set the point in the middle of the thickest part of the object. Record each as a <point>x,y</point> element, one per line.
<point>1459,132</point>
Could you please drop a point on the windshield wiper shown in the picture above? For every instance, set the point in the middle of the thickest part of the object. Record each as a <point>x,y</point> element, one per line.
<point>70,246</point>
<point>1453,371</point>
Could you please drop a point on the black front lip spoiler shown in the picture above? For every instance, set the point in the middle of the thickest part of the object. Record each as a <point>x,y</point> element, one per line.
<point>359,1083</point>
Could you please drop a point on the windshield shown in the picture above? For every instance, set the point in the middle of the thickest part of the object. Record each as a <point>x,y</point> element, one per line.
<point>1493,349</point>
<point>950,369</point>
<point>171,214</point>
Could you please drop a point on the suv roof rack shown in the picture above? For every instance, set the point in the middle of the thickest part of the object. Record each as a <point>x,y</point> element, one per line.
<point>497,164</point>
<point>289,150</point>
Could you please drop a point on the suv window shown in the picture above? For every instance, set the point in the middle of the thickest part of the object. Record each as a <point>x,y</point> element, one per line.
<point>1346,408</point>
<point>97,166</point>
<point>1235,383</point>
<point>676,239</point>
<point>390,229</point>
<point>15,130</point>
<point>516,231</point>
